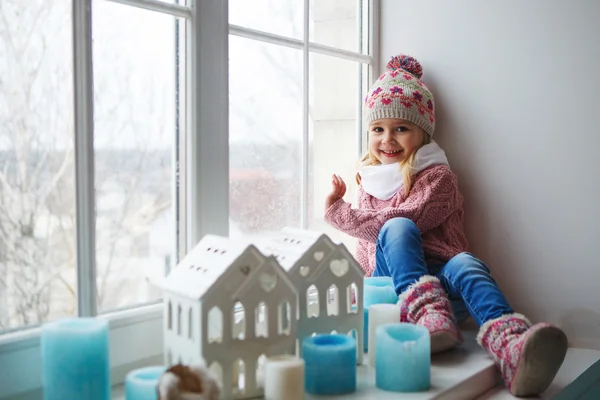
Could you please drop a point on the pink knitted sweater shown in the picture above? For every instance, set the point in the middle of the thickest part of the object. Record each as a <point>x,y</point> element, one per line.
<point>434,204</point>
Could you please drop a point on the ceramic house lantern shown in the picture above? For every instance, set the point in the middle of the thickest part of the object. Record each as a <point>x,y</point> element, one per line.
<point>229,305</point>
<point>328,280</point>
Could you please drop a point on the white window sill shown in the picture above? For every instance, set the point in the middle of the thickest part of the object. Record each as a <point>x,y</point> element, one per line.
<point>136,341</point>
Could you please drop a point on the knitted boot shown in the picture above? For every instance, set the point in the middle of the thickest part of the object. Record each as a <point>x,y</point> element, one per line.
<point>425,303</point>
<point>528,356</point>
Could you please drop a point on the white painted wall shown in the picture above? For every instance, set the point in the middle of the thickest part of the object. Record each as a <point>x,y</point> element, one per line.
<point>518,93</point>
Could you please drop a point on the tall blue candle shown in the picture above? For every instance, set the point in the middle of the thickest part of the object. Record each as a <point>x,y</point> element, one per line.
<point>75,359</point>
<point>376,290</point>
<point>330,364</point>
<point>402,358</point>
<point>142,384</point>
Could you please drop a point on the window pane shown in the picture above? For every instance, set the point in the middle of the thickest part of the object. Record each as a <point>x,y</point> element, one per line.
<point>135,89</point>
<point>335,23</point>
<point>334,99</point>
<point>37,217</point>
<point>265,101</point>
<point>282,17</point>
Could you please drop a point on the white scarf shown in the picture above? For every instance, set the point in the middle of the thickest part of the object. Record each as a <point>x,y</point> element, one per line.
<point>384,181</point>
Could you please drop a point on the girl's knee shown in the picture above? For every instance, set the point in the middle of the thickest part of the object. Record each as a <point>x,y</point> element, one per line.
<point>399,227</point>
<point>465,263</point>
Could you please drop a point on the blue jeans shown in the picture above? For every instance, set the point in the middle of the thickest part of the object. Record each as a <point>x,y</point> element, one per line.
<point>467,280</point>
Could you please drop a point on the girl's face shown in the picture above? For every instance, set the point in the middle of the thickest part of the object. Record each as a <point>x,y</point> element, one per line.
<point>394,140</point>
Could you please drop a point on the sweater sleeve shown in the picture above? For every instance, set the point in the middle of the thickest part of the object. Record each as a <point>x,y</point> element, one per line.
<point>432,199</point>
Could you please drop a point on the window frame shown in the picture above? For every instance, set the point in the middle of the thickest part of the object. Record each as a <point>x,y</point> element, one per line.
<point>204,163</point>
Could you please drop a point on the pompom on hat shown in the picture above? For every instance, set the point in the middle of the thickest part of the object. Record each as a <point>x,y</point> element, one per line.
<point>399,93</point>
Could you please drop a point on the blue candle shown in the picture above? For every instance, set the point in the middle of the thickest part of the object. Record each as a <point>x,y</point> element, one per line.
<point>75,359</point>
<point>402,358</point>
<point>141,384</point>
<point>330,364</point>
<point>377,290</point>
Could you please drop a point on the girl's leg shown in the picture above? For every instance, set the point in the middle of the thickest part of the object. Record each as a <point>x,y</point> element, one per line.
<point>529,356</point>
<point>399,253</point>
<point>467,278</point>
<point>424,301</point>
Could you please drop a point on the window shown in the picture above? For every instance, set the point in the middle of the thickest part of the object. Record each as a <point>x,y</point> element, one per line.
<point>337,23</point>
<point>295,109</point>
<point>37,192</point>
<point>126,136</point>
<point>134,141</point>
<point>135,145</point>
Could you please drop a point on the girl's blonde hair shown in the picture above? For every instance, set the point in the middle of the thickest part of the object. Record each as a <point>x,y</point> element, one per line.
<point>406,165</point>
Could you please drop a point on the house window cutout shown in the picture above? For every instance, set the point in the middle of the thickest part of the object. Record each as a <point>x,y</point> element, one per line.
<point>215,325</point>
<point>261,320</point>
<point>217,371</point>
<point>239,373</point>
<point>333,303</point>
<point>190,324</point>
<point>312,301</point>
<point>304,271</point>
<point>351,297</point>
<point>179,318</point>
<point>339,267</point>
<point>291,240</point>
<point>284,325</point>
<point>239,321</point>
<point>260,371</point>
<point>170,316</point>
<point>268,281</point>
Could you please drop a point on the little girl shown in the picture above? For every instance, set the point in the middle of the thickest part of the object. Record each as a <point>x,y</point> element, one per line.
<point>410,226</point>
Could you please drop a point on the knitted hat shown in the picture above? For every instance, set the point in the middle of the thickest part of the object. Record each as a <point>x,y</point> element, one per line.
<point>399,93</point>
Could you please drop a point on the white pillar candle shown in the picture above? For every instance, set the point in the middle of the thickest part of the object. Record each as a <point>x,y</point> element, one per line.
<point>284,378</point>
<point>380,314</point>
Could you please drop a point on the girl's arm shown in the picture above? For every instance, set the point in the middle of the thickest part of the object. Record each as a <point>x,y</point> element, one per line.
<point>433,198</point>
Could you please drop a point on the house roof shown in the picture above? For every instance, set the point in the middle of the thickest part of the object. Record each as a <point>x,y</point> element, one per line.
<point>202,266</point>
<point>285,255</point>
<point>291,245</point>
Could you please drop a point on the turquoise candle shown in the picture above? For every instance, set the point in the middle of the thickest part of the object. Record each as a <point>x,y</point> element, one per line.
<point>142,384</point>
<point>330,364</point>
<point>402,358</point>
<point>75,359</point>
<point>376,290</point>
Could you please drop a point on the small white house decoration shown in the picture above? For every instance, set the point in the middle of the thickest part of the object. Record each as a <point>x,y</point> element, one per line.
<point>229,305</point>
<point>328,280</point>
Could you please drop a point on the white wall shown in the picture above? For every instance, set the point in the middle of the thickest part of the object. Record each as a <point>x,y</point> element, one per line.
<point>518,92</point>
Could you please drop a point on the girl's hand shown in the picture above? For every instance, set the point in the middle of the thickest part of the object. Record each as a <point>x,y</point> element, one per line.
<point>338,191</point>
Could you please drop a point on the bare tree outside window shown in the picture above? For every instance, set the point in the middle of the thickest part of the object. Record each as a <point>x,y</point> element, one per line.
<point>134,142</point>
<point>134,124</point>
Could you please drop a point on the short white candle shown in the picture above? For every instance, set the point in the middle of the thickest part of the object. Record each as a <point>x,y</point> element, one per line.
<point>380,314</point>
<point>284,378</point>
